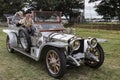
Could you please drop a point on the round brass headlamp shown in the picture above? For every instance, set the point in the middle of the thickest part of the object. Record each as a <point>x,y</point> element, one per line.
<point>92,42</point>
<point>75,44</point>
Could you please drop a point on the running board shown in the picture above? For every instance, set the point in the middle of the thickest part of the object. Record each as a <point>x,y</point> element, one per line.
<point>24,52</point>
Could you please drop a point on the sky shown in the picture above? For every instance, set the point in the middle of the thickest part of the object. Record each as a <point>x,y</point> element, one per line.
<point>90,10</point>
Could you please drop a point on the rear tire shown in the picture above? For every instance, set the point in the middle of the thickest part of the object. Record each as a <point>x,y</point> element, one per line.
<point>25,39</point>
<point>8,46</point>
<point>55,62</point>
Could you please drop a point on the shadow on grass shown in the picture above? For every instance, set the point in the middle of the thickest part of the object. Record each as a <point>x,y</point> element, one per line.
<point>27,59</point>
<point>72,72</point>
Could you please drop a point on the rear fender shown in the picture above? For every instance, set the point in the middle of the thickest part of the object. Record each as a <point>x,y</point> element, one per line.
<point>12,36</point>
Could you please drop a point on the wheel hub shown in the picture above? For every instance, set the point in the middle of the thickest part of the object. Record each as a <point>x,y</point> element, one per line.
<point>53,62</point>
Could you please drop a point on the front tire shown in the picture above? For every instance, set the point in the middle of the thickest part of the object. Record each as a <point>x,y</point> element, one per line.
<point>99,53</point>
<point>8,46</point>
<point>55,62</point>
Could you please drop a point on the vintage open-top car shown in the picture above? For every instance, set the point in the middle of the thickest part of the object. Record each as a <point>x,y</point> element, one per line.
<point>52,43</point>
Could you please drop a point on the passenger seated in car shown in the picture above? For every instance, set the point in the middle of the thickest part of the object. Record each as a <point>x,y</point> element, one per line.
<point>28,22</point>
<point>17,17</point>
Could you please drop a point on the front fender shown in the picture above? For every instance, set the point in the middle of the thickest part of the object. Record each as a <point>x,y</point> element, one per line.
<point>52,44</point>
<point>13,37</point>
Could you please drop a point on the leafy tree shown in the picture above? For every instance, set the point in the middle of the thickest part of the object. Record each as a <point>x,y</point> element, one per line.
<point>93,0</point>
<point>10,6</point>
<point>108,8</point>
<point>66,6</point>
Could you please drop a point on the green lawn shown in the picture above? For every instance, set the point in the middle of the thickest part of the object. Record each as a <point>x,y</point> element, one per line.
<point>19,67</point>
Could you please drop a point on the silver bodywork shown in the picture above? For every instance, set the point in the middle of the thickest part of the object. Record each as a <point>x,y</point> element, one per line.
<point>59,40</point>
<point>69,43</point>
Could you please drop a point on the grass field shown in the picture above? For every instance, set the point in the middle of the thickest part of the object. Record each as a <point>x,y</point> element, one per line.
<point>19,67</point>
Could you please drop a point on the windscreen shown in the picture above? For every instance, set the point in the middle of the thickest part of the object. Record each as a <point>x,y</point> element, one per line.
<point>47,16</point>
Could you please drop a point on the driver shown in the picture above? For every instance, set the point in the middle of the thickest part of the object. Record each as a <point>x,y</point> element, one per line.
<point>28,22</point>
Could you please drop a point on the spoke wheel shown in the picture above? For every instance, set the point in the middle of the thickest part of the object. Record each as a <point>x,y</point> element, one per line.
<point>25,39</point>
<point>55,62</point>
<point>8,46</point>
<point>98,53</point>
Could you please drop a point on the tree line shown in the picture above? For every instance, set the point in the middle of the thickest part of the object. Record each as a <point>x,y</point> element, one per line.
<point>109,9</point>
<point>10,6</point>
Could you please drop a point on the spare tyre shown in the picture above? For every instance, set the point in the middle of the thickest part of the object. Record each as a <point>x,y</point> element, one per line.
<point>25,39</point>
